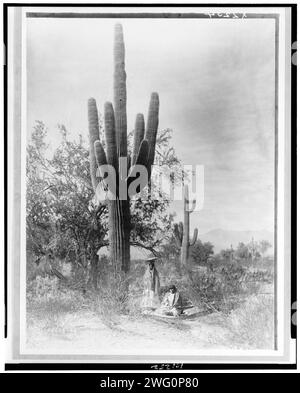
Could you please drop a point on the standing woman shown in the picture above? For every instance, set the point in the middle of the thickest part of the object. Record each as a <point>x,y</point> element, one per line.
<point>151,286</point>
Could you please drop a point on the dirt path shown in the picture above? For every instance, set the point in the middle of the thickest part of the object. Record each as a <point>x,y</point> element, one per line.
<point>85,334</point>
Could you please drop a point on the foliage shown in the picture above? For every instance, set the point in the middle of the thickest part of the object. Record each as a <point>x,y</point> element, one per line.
<point>39,221</point>
<point>201,252</point>
<point>170,249</point>
<point>245,253</point>
<point>222,288</point>
<point>111,301</point>
<point>215,289</point>
<point>264,245</point>
<point>250,326</point>
<point>45,294</point>
<point>62,216</point>
<point>242,251</point>
<point>151,224</point>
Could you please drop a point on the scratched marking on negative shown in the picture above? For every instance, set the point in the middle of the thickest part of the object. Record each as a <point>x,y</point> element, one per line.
<point>167,366</point>
<point>231,15</point>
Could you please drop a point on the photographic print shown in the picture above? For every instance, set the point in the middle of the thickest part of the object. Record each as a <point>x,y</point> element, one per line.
<point>148,144</point>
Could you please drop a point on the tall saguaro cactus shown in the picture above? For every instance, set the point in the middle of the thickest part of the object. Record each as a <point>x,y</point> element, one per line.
<point>182,230</point>
<point>115,153</point>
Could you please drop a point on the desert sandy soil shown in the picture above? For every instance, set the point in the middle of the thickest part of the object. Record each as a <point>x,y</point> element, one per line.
<point>84,333</point>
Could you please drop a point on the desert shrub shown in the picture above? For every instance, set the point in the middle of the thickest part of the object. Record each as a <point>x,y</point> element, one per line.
<point>50,304</point>
<point>47,295</point>
<point>267,263</point>
<point>111,301</point>
<point>201,252</point>
<point>136,288</point>
<point>170,272</point>
<point>252,325</point>
<point>30,266</point>
<point>222,289</point>
<point>259,275</point>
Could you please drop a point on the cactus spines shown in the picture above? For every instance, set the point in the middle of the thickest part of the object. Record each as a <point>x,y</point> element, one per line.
<point>115,127</point>
<point>182,230</point>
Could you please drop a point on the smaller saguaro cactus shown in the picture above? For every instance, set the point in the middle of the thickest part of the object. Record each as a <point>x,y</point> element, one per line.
<point>182,230</point>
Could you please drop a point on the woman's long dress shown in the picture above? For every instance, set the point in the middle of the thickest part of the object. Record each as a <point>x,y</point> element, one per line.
<point>151,289</point>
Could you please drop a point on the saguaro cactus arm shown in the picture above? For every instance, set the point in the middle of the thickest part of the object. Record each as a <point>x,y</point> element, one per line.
<point>142,159</point>
<point>110,135</point>
<point>139,131</point>
<point>94,136</point>
<point>194,239</point>
<point>100,154</point>
<point>143,154</point>
<point>151,130</point>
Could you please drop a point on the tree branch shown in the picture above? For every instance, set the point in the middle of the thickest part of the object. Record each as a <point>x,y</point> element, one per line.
<point>149,248</point>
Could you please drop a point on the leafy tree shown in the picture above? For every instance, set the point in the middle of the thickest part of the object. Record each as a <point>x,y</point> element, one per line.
<point>151,224</point>
<point>170,250</point>
<point>63,217</point>
<point>250,251</point>
<point>242,252</point>
<point>39,220</point>
<point>78,216</point>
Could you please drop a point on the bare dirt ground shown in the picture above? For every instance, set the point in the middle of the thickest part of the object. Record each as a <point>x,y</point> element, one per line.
<point>57,330</point>
<point>84,333</point>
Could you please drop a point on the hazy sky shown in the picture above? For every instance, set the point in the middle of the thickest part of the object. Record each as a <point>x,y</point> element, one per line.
<point>216,84</point>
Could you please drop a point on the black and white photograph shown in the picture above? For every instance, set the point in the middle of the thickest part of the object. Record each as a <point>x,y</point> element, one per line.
<point>149,191</point>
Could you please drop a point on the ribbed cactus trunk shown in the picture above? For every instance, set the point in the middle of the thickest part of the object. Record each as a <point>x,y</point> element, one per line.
<point>119,211</point>
<point>182,230</point>
<point>119,234</point>
<point>186,235</point>
<point>115,124</point>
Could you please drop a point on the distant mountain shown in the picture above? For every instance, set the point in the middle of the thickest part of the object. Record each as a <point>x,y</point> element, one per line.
<point>222,239</point>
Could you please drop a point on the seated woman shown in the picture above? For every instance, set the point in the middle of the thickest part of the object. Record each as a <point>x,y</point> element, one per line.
<point>172,302</point>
